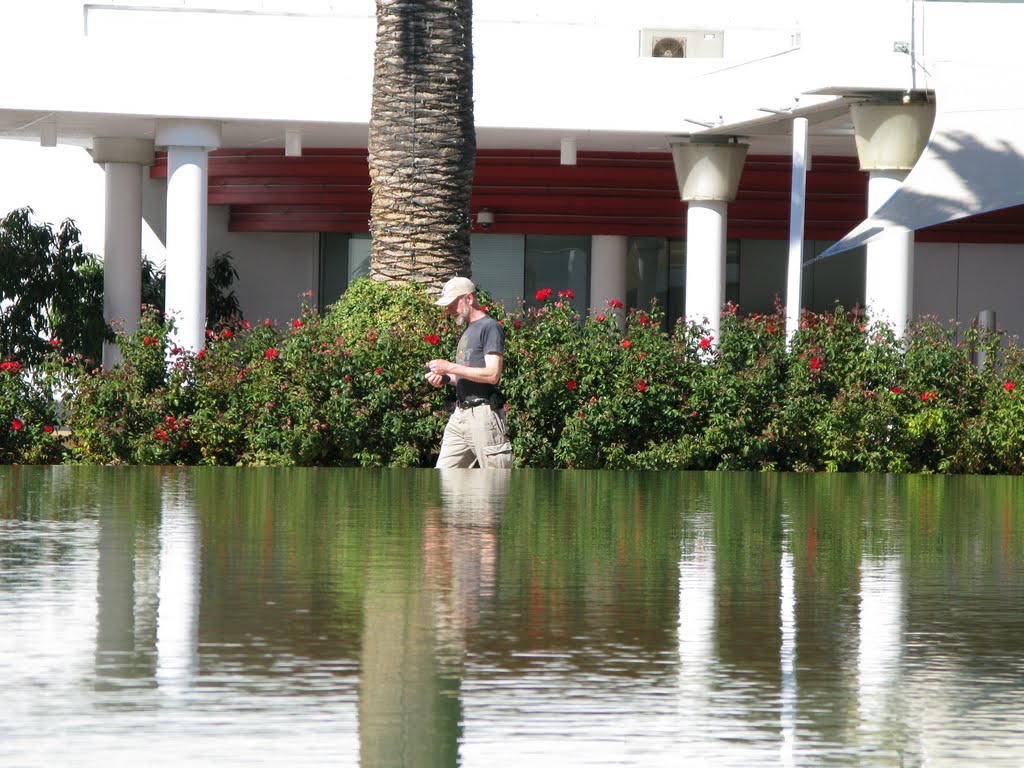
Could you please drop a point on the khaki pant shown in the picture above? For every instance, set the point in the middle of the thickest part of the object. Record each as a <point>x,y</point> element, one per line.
<point>476,435</point>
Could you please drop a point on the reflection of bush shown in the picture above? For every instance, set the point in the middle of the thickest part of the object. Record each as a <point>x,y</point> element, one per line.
<point>346,389</point>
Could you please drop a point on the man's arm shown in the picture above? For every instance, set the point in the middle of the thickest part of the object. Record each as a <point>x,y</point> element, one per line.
<point>489,374</point>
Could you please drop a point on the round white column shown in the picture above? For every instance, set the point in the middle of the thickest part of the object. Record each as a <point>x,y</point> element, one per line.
<point>188,144</point>
<point>608,275</point>
<point>708,175</point>
<point>123,161</point>
<point>889,260</point>
<point>705,263</point>
<point>890,139</point>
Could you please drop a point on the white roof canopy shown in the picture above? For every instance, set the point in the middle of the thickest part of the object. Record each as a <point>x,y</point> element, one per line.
<point>974,160</point>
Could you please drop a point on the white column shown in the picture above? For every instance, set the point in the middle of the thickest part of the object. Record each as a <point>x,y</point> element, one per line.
<point>705,263</point>
<point>889,260</point>
<point>708,175</point>
<point>187,143</point>
<point>608,274</point>
<point>890,139</point>
<point>797,213</point>
<point>123,162</point>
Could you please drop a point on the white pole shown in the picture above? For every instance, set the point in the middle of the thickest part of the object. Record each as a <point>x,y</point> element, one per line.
<point>798,205</point>
<point>889,260</point>
<point>185,296</point>
<point>122,251</point>
<point>705,263</point>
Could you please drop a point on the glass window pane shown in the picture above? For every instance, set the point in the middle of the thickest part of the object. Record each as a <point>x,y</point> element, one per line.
<point>333,268</point>
<point>498,267</point>
<point>558,262</point>
<point>656,270</point>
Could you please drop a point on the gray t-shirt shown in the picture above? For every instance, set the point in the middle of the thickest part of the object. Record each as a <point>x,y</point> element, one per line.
<point>481,337</point>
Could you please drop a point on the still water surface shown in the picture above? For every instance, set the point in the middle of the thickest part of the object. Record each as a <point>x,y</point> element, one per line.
<point>221,617</point>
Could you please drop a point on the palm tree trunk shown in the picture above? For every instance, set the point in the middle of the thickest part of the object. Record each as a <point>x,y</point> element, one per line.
<point>422,143</point>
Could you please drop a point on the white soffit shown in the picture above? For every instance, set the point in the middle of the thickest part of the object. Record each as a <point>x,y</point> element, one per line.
<point>974,160</point>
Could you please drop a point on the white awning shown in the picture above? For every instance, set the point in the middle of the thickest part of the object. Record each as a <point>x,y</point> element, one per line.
<point>974,160</point>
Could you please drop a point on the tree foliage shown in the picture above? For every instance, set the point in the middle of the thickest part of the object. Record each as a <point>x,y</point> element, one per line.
<point>49,288</point>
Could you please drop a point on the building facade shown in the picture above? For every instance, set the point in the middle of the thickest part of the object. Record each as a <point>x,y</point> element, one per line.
<point>634,151</point>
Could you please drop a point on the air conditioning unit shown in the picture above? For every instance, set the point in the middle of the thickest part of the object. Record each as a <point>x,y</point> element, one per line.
<point>682,43</point>
<point>668,48</point>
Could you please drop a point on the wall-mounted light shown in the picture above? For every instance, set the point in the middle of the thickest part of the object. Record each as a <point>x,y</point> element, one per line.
<point>568,151</point>
<point>293,143</point>
<point>485,218</point>
<point>48,134</point>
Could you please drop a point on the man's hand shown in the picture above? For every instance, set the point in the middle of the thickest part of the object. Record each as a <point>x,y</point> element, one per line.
<point>440,367</point>
<point>436,379</point>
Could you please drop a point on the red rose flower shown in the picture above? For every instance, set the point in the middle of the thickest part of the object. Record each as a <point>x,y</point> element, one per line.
<point>600,318</point>
<point>897,390</point>
<point>705,342</point>
<point>160,435</point>
<point>17,424</point>
<point>227,333</point>
<point>543,294</point>
<point>378,370</point>
<point>48,428</point>
<point>815,363</point>
<point>297,323</point>
<point>432,340</point>
<point>271,354</point>
<point>641,385</point>
<point>570,384</point>
<point>1008,386</point>
<point>517,324</point>
<point>626,343</point>
<point>615,304</point>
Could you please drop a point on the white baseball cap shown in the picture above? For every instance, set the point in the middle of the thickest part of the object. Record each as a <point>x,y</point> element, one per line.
<point>457,286</point>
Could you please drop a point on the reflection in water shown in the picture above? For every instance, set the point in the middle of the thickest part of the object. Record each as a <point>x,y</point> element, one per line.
<point>177,642</point>
<point>416,614</point>
<point>787,654</point>
<point>879,657</point>
<point>126,584</point>
<point>482,619</point>
<point>696,630</point>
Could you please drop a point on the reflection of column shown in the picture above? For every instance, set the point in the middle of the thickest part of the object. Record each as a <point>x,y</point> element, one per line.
<point>879,653</point>
<point>177,640</point>
<point>696,633</point>
<point>115,598</point>
<point>787,655</point>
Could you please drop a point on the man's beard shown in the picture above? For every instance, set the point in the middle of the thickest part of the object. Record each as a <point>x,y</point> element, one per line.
<point>462,317</point>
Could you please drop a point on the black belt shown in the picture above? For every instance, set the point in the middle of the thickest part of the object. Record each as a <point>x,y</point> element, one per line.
<point>473,402</point>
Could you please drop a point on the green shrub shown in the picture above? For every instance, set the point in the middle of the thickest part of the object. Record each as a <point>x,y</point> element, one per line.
<point>346,388</point>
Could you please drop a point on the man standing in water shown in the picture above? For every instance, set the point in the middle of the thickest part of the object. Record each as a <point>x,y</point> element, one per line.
<point>476,429</point>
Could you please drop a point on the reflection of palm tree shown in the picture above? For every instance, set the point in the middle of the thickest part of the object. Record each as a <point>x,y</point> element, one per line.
<point>416,611</point>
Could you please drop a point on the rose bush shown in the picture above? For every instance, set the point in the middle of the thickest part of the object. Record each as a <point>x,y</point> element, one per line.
<point>607,390</point>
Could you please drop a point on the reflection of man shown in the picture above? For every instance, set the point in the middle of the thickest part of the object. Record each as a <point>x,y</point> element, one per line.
<point>476,429</point>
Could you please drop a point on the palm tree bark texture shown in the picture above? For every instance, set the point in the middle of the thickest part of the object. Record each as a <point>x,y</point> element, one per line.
<point>422,142</point>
